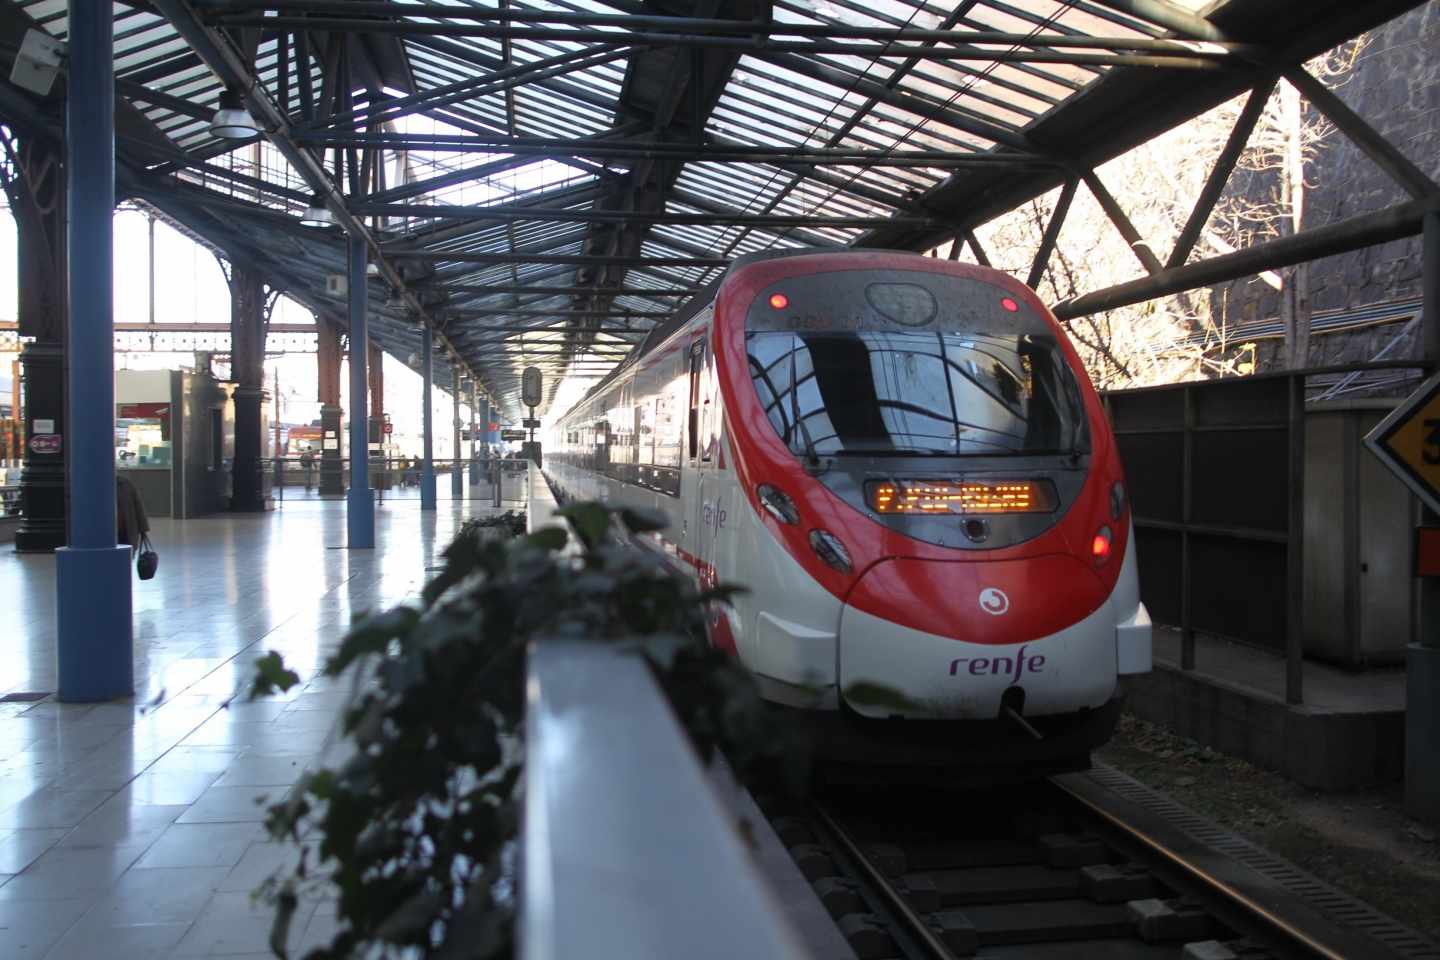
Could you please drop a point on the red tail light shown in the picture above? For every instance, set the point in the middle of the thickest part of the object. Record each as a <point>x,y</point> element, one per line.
<point>1100,545</point>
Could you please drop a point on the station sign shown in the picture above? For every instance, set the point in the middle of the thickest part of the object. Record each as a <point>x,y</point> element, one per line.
<point>387,427</point>
<point>45,443</point>
<point>512,434</point>
<point>1408,442</point>
<point>530,423</point>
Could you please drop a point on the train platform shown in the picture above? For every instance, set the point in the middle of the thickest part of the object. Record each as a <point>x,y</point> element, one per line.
<point>1348,733</point>
<point>131,828</point>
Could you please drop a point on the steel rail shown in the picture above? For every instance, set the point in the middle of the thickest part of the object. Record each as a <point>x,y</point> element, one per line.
<point>913,924</point>
<point>1195,872</point>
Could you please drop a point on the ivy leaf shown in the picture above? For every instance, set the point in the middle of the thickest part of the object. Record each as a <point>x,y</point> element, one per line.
<point>286,903</point>
<point>549,538</point>
<point>590,520</point>
<point>643,520</point>
<point>663,648</point>
<point>271,675</point>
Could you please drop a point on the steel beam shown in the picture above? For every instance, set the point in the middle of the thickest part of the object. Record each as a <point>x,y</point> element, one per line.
<point>708,151</point>
<point>578,260</point>
<point>1370,141</point>
<point>1138,244</point>
<point>94,640</point>
<point>1162,13</point>
<point>550,215</point>
<point>1052,233</point>
<point>216,51</point>
<point>1392,223</point>
<point>1220,173</point>
<point>522,290</point>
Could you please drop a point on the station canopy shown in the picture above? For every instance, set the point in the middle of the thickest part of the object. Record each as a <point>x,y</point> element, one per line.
<point>540,182</point>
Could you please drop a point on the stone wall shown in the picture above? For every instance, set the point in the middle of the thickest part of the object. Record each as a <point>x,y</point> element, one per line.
<point>1395,87</point>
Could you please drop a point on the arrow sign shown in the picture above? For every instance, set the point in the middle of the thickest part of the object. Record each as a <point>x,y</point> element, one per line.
<point>1408,442</point>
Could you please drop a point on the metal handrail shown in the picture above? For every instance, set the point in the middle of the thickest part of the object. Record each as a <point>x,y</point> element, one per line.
<point>628,852</point>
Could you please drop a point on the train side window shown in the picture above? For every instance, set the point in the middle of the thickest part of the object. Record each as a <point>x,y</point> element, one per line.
<point>697,363</point>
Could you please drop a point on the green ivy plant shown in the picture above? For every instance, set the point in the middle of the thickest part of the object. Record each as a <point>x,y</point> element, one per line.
<point>417,831</point>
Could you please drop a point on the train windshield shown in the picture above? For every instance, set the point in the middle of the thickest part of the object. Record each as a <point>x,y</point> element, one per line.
<point>962,391</point>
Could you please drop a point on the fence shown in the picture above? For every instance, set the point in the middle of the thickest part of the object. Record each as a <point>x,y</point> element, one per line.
<point>1216,470</point>
<point>493,480</point>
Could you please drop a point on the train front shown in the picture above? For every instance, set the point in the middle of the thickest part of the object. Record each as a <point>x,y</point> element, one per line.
<point>922,440</point>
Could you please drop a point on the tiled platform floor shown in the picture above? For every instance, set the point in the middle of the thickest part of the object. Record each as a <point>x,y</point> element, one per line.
<point>132,832</point>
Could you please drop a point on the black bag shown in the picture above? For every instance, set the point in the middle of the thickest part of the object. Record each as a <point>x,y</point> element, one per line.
<point>148,559</point>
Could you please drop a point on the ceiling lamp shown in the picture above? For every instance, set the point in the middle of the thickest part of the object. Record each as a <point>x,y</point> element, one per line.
<point>232,121</point>
<point>317,214</point>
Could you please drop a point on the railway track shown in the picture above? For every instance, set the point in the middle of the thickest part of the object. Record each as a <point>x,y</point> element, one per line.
<point>1091,865</point>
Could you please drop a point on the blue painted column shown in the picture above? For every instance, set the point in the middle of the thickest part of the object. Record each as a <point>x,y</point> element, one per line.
<point>94,644</point>
<point>484,426</point>
<point>474,440</point>
<point>359,507</point>
<point>427,417</point>
<point>457,479</point>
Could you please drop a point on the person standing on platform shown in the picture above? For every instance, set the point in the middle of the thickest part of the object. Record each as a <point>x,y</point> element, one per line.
<point>131,522</point>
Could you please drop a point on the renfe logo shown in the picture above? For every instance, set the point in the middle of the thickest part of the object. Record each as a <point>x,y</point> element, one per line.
<point>993,601</point>
<point>713,516</point>
<point>1001,666</point>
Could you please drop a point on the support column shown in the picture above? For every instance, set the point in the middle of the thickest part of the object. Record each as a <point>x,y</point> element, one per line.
<point>427,425</point>
<point>359,507</point>
<point>37,201</point>
<point>1422,657</point>
<point>474,442</point>
<point>327,358</point>
<point>94,639</point>
<point>375,367</point>
<point>457,478</point>
<point>247,368</point>
<point>485,414</point>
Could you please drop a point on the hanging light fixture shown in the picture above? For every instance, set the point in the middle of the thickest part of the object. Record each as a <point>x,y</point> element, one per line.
<point>232,121</point>
<point>317,214</point>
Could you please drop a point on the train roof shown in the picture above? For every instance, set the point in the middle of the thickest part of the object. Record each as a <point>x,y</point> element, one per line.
<point>662,331</point>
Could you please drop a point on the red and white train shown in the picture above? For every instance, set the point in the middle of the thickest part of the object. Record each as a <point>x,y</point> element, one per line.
<point>904,461</point>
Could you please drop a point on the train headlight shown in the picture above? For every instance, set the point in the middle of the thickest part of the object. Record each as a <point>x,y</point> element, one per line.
<point>1117,500</point>
<point>1100,545</point>
<point>828,547</point>
<point>778,504</point>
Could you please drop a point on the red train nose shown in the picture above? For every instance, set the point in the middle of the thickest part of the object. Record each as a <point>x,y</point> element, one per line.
<point>1010,601</point>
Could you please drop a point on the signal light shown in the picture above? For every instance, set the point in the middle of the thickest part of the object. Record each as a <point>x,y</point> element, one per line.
<point>1100,546</point>
<point>779,301</point>
<point>1010,305</point>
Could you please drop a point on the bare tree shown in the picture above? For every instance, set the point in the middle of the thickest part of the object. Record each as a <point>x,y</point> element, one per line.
<point>1179,338</point>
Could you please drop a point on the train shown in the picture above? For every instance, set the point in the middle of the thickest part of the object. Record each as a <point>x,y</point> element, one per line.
<point>903,460</point>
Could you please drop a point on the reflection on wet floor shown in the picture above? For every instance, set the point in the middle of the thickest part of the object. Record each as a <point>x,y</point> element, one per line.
<point>132,831</point>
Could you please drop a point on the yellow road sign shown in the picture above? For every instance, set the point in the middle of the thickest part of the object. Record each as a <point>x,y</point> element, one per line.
<point>1408,442</point>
